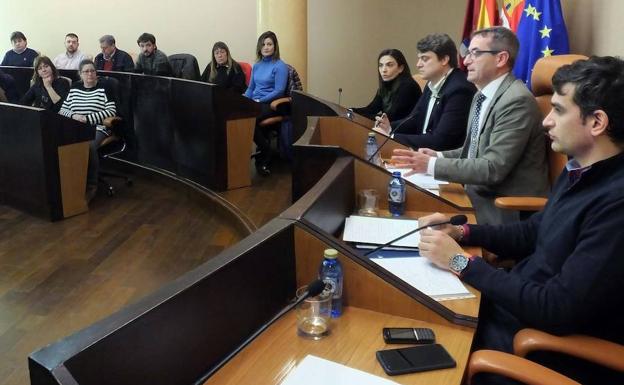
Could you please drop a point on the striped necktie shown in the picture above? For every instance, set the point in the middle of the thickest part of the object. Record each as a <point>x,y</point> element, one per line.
<point>474,127</point>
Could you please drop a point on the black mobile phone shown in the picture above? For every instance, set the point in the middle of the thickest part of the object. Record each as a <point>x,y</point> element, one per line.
<point>408,335</point>
<point>415,359</point>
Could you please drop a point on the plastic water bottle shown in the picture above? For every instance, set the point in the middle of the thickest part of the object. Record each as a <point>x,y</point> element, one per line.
<point>330,272</point>
<point>396,195</point>
<point>372,148</point>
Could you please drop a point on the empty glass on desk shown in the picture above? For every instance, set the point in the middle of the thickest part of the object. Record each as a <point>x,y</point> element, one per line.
<point>313,315</point>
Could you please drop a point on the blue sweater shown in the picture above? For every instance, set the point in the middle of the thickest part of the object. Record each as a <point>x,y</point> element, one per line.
<point>24,59</point>
<point>268,80</point>
<point>570,274</point>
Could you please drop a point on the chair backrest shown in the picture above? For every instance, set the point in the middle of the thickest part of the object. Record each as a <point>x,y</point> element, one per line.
<point>294,81</point>
<point>184,66</point>
<point>420,80</point>
<point>68,80</point>
<point>246,67</point>
<point>541,85</point>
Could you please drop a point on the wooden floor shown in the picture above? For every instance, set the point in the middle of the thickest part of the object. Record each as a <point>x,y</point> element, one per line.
<point>56,278</point>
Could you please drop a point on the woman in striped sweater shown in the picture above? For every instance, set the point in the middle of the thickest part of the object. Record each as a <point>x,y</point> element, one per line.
<point>90,102</point>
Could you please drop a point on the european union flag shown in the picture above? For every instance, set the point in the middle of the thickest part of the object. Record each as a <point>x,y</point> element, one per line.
<point>542,32</point>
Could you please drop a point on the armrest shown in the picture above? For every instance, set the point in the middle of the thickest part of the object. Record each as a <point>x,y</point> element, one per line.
<point>111,121</point>
<point>521,203</point>
<point>276,103</point>
<point>514,367</point>
<point>605,353</point>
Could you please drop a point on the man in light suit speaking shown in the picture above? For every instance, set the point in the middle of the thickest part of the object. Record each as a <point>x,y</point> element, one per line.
<point>504,152</point>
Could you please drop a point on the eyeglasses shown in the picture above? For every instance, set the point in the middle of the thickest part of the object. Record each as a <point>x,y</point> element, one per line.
<point>475,53</point>
<point>88,71</point>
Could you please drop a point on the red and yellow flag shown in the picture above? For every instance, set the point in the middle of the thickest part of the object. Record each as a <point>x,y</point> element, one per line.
<point>479,14</point>
<point>510,14</point>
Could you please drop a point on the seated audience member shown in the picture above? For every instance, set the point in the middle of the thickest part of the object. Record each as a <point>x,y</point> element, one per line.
<point>398,92</point>
<point>20,55</point>
<point>439,119</point>
<point>504,153</point>
<point>112,58</point>
<point>7,83</point>
<point>48,90</point>
<point>269,78</point>
<point>223,70</point>
<point>570,269</point>
<point>71,58</point>
<point>151,61</point>
<point>89,101</point>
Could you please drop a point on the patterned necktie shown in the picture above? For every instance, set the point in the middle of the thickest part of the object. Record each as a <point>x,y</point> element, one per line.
<point>474,128</point>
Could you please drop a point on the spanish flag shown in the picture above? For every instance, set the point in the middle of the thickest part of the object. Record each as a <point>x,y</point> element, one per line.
<point>511,12</point>
<point>479,14</point>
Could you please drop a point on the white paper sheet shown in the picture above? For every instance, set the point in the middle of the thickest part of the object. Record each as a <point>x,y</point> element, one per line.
<point>378,231</point>
<point>425,276</point>
<point>313,370</point>
<point>421,180</point>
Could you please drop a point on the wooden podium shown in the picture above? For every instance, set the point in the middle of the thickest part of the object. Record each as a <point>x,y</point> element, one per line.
<point>43,163</point>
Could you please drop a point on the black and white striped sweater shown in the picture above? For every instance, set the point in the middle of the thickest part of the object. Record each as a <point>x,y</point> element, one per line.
<point>95,103</point>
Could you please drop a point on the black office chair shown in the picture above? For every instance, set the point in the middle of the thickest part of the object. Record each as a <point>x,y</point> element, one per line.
<point>114,144</point>
<point>184,66</point>
<point>280,125</point>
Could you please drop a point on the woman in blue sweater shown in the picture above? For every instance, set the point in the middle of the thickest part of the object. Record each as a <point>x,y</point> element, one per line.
<point>269,77</point>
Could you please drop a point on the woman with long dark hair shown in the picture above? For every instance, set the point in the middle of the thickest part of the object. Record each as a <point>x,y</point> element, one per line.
<point>397,93</point>
<point>48,89</point>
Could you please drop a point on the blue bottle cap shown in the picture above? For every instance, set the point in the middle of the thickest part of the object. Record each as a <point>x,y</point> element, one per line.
<point>396,174</point>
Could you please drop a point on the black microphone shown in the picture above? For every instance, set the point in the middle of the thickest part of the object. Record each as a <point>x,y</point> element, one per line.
<point>339,95</point>
<point>314,288</point>
<point>455,220</point>
<point>392,131</point>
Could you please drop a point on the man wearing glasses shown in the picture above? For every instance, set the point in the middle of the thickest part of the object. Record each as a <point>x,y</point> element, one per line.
<point>504,151</point>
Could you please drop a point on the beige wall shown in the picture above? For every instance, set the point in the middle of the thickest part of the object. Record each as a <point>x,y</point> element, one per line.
<point>183,26</point>
<point>344,36</point>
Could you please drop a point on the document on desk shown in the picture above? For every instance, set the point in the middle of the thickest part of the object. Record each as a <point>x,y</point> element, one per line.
<point>439,284</point>
<point>313,370</point>
<point>376,230</point>
<point>421,180</point>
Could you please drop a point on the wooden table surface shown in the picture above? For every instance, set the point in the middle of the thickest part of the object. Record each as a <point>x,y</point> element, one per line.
<point>353,341</point>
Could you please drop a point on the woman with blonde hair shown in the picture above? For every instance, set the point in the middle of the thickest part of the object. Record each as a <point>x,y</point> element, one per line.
<point>223,70</point>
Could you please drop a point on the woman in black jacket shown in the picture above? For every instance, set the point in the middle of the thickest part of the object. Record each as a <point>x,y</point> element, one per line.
<point>48,89</point>
<point>223,70</point>
<point>398,92</point>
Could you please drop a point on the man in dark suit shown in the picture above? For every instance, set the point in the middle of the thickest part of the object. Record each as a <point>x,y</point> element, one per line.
<point>438,121</point>
<point>112,58</point>
<point>504,153</point>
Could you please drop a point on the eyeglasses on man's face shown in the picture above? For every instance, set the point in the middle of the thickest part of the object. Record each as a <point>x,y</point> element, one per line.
<point>475,52</point>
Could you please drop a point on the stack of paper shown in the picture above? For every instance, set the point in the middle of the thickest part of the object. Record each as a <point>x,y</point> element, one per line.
<point>314,371</point>
<point>377,231</point>
<point>423,275</point>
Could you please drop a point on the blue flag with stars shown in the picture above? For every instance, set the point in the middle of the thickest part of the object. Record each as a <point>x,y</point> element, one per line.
<point>542,32</point>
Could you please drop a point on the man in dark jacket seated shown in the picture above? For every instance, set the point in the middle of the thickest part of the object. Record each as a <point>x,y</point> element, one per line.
<point>438,121</point>
<point>569,274</point>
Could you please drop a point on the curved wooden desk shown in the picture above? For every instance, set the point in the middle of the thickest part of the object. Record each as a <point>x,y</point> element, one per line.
<point>193,129</point>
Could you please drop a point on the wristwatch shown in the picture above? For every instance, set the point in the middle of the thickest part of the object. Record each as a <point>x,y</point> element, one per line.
<point>458,263</point>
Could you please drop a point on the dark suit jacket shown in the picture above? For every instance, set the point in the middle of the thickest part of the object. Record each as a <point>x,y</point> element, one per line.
<point>121,61</point>
<point>446,128</point>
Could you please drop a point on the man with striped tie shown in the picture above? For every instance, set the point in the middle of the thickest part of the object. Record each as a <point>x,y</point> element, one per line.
<point>504,153</point>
